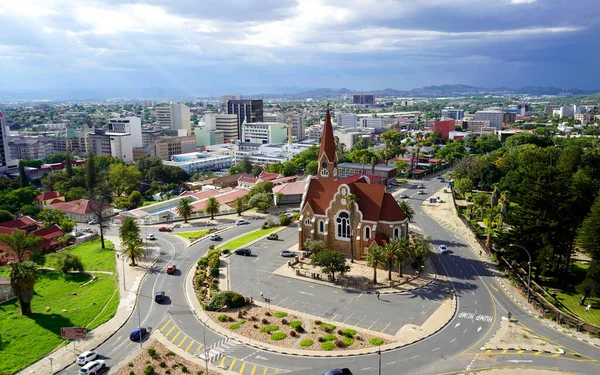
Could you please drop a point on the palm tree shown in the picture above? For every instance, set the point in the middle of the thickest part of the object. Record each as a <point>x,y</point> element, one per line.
<point>22,280</point>
<point>364,160</point>
<point>212,207</point>
<point>129,231</point>
<point>391,253</point>
<point>238,205</point>
<point>133,250</point>
<point>403,252</point>
<point>375,258</point>
<point>408,210</point>
<point>185,209</point>
<point>20,243</point>
<point>492,219</point>
<point>352,199</point>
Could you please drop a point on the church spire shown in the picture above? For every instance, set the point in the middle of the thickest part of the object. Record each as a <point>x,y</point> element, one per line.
<point>327,155</point>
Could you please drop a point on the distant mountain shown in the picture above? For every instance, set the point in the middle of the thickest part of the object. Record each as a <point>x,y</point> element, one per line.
<point>539,90</point>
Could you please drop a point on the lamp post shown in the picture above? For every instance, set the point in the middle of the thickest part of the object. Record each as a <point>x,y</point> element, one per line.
<point>529,273</point>
<point>379,353</point>
<point>204,335</point>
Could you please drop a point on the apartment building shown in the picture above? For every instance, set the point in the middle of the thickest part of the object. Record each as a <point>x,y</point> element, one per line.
<point>264,132</point>
<point>175,116</point>
<point>200,162</point>
<point>225,122</point>
<point>117,145</point>
<point>450,112</point>
<point>347,120</point>
<point>130,125</point>
<point>34,148</point>
<point>495,117</point>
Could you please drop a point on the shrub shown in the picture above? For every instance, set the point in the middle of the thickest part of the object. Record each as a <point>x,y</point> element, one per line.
<point>68,262</point>
<point>253,318</point>
<point>339,332</point>
<point>358,338</point>
<point>211,247</point>
<point>326,327</point>
<point>293,333</point>
<point>269,329</point>
<point>348,341</point>
<point>376,341</point>
<point>163,364</point>
<point>284,321</point>
<point>317,322</point>
<point>214,285</point>
<point>244,311</point>
<point>348,332</point>
<point>237,325</point>
<point>329,337</point>
<point>264,321</point>
<point>284,220</point>
<point>131,373</point>
<point>277,336</point>
<point>200,372</point>
<point>321,339</point>
<point>230,319</point>
<point>222,318</point>
<point>339,343</point>
<point>184,369</point>
<point>280,314</point>
<point>267,313</point>
<point>306,342</point>
<point>295,324</point>
<point>255,326</point>
<point>203,262</point>
<point>149,370</point>
<point>169,354</point>
<point>229,298</point>
<point>328,346</point>
<point>214,272</point>
<point>225,251</point>
<point>240,314</point>
<point>152,353</point>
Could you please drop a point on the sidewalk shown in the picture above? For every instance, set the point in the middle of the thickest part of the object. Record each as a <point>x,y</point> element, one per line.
<point>66,355</point>
<point>446,214</point>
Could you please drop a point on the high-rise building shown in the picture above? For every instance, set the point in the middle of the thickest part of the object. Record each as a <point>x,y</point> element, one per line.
<point>454,113</point>
<point>494,117</point>
<point>248,111</point>
<point>148,103</point>
<point>225,122</point>
<point>3,143</point>
<point>34,148</point>
<point>347,120</point>
<point>226,98</point>
<point>363,99</point>
<point>117,145</point>
<point>131,125</point>
<point>176,116</point>
<point>264,132</point>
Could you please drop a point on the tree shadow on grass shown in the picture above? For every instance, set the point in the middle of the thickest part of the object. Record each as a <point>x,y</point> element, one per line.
<point>51,322</point>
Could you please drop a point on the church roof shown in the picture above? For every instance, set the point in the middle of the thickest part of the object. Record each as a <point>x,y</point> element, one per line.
<point>374,203</point>
<point>328,141</point>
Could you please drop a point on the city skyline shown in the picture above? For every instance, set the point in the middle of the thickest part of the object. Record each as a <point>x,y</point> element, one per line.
<point>227,45</point>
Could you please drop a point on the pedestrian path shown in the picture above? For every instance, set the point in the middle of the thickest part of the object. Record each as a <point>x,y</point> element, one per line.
<point>221,354</point>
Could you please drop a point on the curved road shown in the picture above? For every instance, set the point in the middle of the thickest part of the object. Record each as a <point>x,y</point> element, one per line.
<point>481,304</point>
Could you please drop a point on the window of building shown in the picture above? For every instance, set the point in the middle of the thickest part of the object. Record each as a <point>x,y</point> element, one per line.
<point>321,226</point>
<point>343,225</point>
<point>367,233</point>
<point>324,172</point>
<point>396,232</point>
<point>307,221</point>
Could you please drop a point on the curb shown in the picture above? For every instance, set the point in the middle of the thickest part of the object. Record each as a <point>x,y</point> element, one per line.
<point>231,251</point>
<point>560,351</point>
<point>117,329</point>
<point>206,235</point>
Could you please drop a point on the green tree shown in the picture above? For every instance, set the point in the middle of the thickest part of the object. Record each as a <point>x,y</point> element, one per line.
<point>30,210</point>
<point>123,178</point>
<point>6,216</point>
<point>262,201</point>
<point>185,209</point>
<point>245,165</point>
<point>391,253</point>
<point>587,236</point>
<point>314,246</point>
<point>212,207</point>
<point>352,207</point>
<point>463,186</point>
<point>68,262</point>
<point>284,220</point>
<point>407,209</point>
<point>330,262</point>
<point>23,179</point>
<point>23,276</point>
<point>129,231</point>
<point>590,287</point>
<point>238,205</point>
<point>375,258</point>
<point>311,168</point>
<point>90,172</point>
<point>401,166</point>
<point>133,251</point>
<point>75,193</point>
<point>21,243</point>
<point>69,166</point>
<point>135,199</point>
<point>52,217</point>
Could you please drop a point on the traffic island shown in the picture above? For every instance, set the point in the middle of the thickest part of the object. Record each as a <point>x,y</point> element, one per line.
<point>513,336</point>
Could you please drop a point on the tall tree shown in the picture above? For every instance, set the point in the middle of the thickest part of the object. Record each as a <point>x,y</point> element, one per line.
<point>375,258</point>
<point>90,172</point>
<point>100,197</point>
<point>68,165</point>
<point>352,205</point>
<point>238,205</point>
<point>123,178</point>
<point>22,280</point>
<point>407,209</point>
<point>52,217</point>
<point>403,245</point>
<point>23,179</point>
<point>587,236</point>
<point>133,251</point>
<point>212,207</point>
<point>330,262</point>
<point>391,252</point>
<point>590,287</point>
<point>129,231</point>
<point>20,243</point>
<point>185,209</point>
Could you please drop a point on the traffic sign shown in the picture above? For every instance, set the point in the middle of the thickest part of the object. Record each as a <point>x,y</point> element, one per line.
<point>73,333</point>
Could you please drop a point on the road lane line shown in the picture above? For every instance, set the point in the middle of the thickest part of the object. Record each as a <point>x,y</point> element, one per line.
<point>116,341</point>
<point>373,324</point>
<point>182,341</point>
<point>435,349</point>
<point>520,351</point>
<point>255,260</point>
<point>189,346</point>
<point>253,369</point>
<point>538,353</point>
<point>222,361</point>
<point>347,318</point>
<point>231,365</point>
<point>174,337</point>
<point>390,363</point>
<point>365,369</point>
<point>504,351</point>
<point>308,294</point>
<point>386,326</point>
<point>171,330</point>
<point>454,339</point>
<point>165,326</point>
<point>265,372</point>
<point>243,367</point>
<point>199,347</point>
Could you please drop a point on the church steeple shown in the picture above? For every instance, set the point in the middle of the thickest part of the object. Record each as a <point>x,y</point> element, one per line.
<point>327,155</point>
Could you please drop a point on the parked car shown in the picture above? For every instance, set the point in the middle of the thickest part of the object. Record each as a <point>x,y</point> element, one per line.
<point>86,230</point>
<point>403,196</point>
<point>159,297</point>
<point>150,237</point>
<point>442,179</point>
<point>92,367</point>
<point>171,269</point>
<point>165,229</point>
<point>443,249</point>
<point>273,236</point>
<point>287,253</point>
<point>86,357</point>
<point>243,251</point>
<point>241,222</point>
<point>339,371</point>
<point>215,237</point>
<point>93,222</point>
<point>138,334</point>
<point>421,192</point>
<point>420,186</point>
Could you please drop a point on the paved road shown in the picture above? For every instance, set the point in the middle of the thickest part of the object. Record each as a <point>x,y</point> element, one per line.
<point>481,304</point>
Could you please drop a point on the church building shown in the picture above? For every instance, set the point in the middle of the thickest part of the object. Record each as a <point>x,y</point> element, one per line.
<point>348,215</point>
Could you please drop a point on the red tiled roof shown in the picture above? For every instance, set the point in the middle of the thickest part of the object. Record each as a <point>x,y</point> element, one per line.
<point>50,233</point>
<point>327,140</point>
<point>230,178</point>
<point>222,199</point>
<point>266,176</point>
<point>20,223</point>
<point>80,206</point>
<point>292,188</point>
<point>249,180</point>
<point>390,210</point>
<point>48,195</point>
<point>285,179</point>
<point>381,239</point>
<point>205,194</point>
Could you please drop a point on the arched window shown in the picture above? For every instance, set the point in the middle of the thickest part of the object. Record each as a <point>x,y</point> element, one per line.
<point>307,221</point>
<point>367,233</point>
<point>343,225</point>
<point>396,232</point>
<point>324,172</point>
<point>321,226</point>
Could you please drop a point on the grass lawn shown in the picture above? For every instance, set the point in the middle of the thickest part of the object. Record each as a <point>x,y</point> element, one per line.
<point>569,296</point>
<point>91,254</point>
<point>24,340</point>
<point>193,234</point>
<point>247,238</point>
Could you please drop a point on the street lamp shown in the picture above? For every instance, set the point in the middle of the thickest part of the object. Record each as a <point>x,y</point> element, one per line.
<point>204,335</point>
<point>529,273</point>
<point>379,352</point>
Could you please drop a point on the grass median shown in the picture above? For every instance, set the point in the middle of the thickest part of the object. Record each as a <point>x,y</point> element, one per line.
<point>246,239</point>
<point>193,234</point>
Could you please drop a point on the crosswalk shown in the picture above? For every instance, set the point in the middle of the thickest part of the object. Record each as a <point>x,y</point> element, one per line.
<point>221,354</point>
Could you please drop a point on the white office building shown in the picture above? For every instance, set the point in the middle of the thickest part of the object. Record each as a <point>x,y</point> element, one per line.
<point>117,145</point>
<point>3,144</point>
<point>347,120</point>
<point>264,132</point>
<point>200,162</point>
<point>495,117</point>
<point>131,125</point>
<point>175,116</point>
<point>225,122</point>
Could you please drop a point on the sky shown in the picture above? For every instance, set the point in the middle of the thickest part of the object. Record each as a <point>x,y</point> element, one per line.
<point>234,46</point>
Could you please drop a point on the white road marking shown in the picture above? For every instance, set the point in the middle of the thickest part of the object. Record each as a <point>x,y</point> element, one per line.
<point>386,327</point>
<point>488,289</point>
<point>417,356</point>
<point>259,357</point>
<point>255,260</point>
<point>373,324</point>
<point>435,349</point>
<point>348,318</point>
<point>457,324</point>
<point>476,302</point>
<point>365,369</point>
<point>281,302</point>
<point>390,363</point>
<point>360,320</point>
<point>479,329</point>
<point>465,330</point>
<point>454,339</point>
<point>308,294</point>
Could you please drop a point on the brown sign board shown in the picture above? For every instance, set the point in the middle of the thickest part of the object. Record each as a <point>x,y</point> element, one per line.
<point>73,333</point>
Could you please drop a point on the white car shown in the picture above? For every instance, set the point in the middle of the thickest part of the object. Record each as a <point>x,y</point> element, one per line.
<point>443,249</point>
<point>241,222</point>
<point>86,357</point>
<point>150,237</point>
<point>92,367</point>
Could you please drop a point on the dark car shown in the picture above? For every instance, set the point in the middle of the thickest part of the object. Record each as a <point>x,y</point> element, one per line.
<point>243,251</point>
<point>338,371</point>
<point>138,334</point>
<point>159,297</point>
<point>164,229</point>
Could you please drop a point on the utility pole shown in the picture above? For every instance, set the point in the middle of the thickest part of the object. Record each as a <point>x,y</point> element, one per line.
<point>379,352</point>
